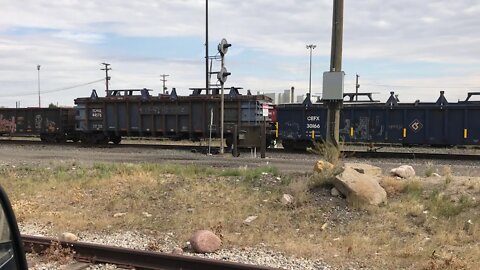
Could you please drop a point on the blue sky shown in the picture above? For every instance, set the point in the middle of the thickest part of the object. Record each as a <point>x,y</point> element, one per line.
<point>415,48</point>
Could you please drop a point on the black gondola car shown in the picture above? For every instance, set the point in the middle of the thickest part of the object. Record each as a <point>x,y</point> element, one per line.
<point>437,123</point>
<point>137,113</point>
<point>51,124</point>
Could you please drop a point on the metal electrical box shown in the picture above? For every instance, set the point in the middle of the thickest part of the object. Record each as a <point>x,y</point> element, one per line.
<point>333,83</point>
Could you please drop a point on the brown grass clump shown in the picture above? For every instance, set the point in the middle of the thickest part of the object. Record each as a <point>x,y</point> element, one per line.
<point>330,152</point>
<point>57,253</point>
<point>443,263</point>
<point>299,189</point>
<point>429,169</point>
<point>392,186</point>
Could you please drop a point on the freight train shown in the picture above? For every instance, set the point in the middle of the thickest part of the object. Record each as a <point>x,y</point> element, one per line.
<point>136,113</point>
<point>439,123</point>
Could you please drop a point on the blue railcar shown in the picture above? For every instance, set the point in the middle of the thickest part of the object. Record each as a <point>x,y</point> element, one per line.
<point>299,125</point>
<point>437,123</point>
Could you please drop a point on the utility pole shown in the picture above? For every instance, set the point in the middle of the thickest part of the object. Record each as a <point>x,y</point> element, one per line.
<point>311,47</point>
<point>164,80</point>
<point>207,77</point>
<point>356,87</point>
<point>333,115</point>
<point>38,69</point>
<point>107,78</point>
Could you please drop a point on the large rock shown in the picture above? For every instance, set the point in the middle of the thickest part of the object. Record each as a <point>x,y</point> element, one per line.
<point>404,171</point>
<point>205,241</point>
<point>365,168</point>
<point>322,166</point>
<point>359,187</point>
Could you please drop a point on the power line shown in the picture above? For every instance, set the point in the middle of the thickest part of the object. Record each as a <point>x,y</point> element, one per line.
<point>55,90</point>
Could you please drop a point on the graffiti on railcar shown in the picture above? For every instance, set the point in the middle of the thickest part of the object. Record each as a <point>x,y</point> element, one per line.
<point>362,128</point>
<point>291,130</point>
<point>346,127</point>
<point>38,121</point>
<point>51,126</point>
<point>7,125</point>
<point>378,128</point>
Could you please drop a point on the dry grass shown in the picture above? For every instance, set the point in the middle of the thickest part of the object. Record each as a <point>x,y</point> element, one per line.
<point>181,199</point>
<point>429,169</point>
<point>57,253</point>
<point>330,152</point>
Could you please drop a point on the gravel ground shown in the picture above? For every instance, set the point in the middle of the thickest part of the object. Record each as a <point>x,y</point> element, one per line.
<point>166,243</point>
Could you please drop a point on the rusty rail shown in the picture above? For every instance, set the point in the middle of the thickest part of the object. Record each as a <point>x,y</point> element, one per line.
<point>132,258</point>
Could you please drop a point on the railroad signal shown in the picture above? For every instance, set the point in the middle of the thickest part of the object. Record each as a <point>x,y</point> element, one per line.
<point>223,47</point>
<point>222,75</point>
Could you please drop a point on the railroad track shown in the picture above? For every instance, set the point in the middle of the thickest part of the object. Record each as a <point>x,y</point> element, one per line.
<point>411,154</point>
<point>131,258</point>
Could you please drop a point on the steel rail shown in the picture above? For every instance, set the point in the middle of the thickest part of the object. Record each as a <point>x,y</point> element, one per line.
<point>132,258</point>
<point>201,149</point>
<point>410,155</point>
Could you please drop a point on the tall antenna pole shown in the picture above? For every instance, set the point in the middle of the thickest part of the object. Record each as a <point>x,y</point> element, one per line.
<point>207,77</point>
<point>107,78</point>
<point>164,80</point>
<point>38,69</point>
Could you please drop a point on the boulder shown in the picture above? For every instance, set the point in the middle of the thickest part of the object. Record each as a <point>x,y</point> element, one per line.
<point>205,241</point>
<point>322,166</point>
<point>360,187</point>
<point>287,199</point>
<point>404,171</point>
<point>365,168</point>
<point>66,236</point>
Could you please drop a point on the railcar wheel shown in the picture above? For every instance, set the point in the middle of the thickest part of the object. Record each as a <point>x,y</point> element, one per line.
<point>60,139</point>
<point>229,141</point>
<point>116,139</point>
<point>288,145</point>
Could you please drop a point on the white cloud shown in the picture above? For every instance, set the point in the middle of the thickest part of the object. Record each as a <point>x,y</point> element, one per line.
<point>410,31</point>
<point>89,38</point>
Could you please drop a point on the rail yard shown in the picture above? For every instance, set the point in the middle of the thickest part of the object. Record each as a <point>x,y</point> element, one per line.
<point>221,177</point>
